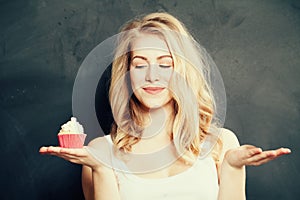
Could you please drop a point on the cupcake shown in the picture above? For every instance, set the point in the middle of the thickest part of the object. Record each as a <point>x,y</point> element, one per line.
<point>71,135</point>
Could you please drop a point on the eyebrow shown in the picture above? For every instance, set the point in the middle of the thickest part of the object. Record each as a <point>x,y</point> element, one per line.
<point>158,58</point>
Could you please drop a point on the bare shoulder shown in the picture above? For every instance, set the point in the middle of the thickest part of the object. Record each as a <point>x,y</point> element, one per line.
<point>229,141</point>
<point>98,140</point>
<point>229,138</point>
<point>101,149</point>
<point>103,143</point>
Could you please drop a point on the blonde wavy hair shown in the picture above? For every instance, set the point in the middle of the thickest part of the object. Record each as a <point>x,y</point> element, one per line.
<point>194,104</point>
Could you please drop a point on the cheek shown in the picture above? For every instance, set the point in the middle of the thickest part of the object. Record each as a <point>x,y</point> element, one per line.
<point>166,76</point>
<point>137,78</point>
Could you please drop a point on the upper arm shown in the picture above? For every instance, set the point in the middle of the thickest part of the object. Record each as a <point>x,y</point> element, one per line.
<point>105,182</point>
<point>87,176</point>
<point>229,141</point>
<point>231,180</point>
<point>87,182</point>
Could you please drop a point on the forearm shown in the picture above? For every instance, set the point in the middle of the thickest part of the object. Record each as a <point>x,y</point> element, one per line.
<point>105,186</point>
<point>232,183</point>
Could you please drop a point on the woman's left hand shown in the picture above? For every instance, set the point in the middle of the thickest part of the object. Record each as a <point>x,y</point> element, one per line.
<point>251,155</point>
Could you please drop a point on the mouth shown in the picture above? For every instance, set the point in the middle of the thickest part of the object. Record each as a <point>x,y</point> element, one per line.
<point>153,90</point>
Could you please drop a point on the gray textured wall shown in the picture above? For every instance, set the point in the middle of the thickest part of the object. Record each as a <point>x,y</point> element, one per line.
<point>256,45</point>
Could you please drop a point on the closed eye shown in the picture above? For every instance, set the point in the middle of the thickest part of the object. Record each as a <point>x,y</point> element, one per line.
<point>140,66</point>
<point>165,66</point>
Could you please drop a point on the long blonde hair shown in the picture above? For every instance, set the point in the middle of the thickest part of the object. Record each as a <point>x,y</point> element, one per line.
<point>189,87</point>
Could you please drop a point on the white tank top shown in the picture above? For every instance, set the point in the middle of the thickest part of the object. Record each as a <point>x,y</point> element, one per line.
<point>199,182</point>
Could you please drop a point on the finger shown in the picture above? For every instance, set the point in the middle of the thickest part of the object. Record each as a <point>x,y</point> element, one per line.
<point>283,151</point>
<point>80,152</point>
<point>263,157</point>
<point>65,156</point>
<point>47,150</point>
<point>63,152</point>
<point>54,149</point>
<point>249,151</point>
<point>267,156</point>
<point>274,154</point>
<point>269,153</point>
<point>254,151</point>
<point>263,161</point>
<point>278,152</point>
<point>43,150</point>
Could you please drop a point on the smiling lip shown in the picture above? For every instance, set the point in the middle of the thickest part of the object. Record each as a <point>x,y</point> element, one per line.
<point>153,90</point>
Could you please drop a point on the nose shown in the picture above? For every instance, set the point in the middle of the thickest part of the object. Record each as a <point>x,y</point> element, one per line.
<point>152,73</point>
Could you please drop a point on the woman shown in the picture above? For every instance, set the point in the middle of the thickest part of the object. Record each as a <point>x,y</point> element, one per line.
<point>161,71</point>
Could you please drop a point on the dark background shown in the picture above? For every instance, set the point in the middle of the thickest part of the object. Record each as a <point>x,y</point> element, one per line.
<point>256,45</point>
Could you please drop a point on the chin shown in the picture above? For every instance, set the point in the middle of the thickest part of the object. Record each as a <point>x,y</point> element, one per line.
<point>155,105</point>
<point>152,106</point>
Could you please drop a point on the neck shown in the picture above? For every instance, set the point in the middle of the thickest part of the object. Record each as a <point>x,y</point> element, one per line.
<point>159,121</point>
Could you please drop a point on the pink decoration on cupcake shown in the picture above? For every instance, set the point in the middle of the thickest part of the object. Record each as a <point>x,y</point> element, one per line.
<point>71,140</point>
<point>71,135</point>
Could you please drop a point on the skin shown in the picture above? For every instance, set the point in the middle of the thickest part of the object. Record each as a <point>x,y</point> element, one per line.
<point>152,68</point>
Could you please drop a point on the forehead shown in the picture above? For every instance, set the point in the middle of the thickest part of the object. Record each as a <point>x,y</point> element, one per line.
<point>148,42</point>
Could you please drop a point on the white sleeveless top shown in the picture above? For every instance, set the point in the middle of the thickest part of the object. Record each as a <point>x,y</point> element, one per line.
<point>199,182</point>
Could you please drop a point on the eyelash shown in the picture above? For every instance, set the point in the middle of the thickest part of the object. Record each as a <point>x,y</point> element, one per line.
<point>165,66</point>
<point>143,66</point>
<point>140,66</point>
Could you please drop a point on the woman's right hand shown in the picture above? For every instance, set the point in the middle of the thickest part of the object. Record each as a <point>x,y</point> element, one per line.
<point>252,155</point>
<point>78,156</point>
